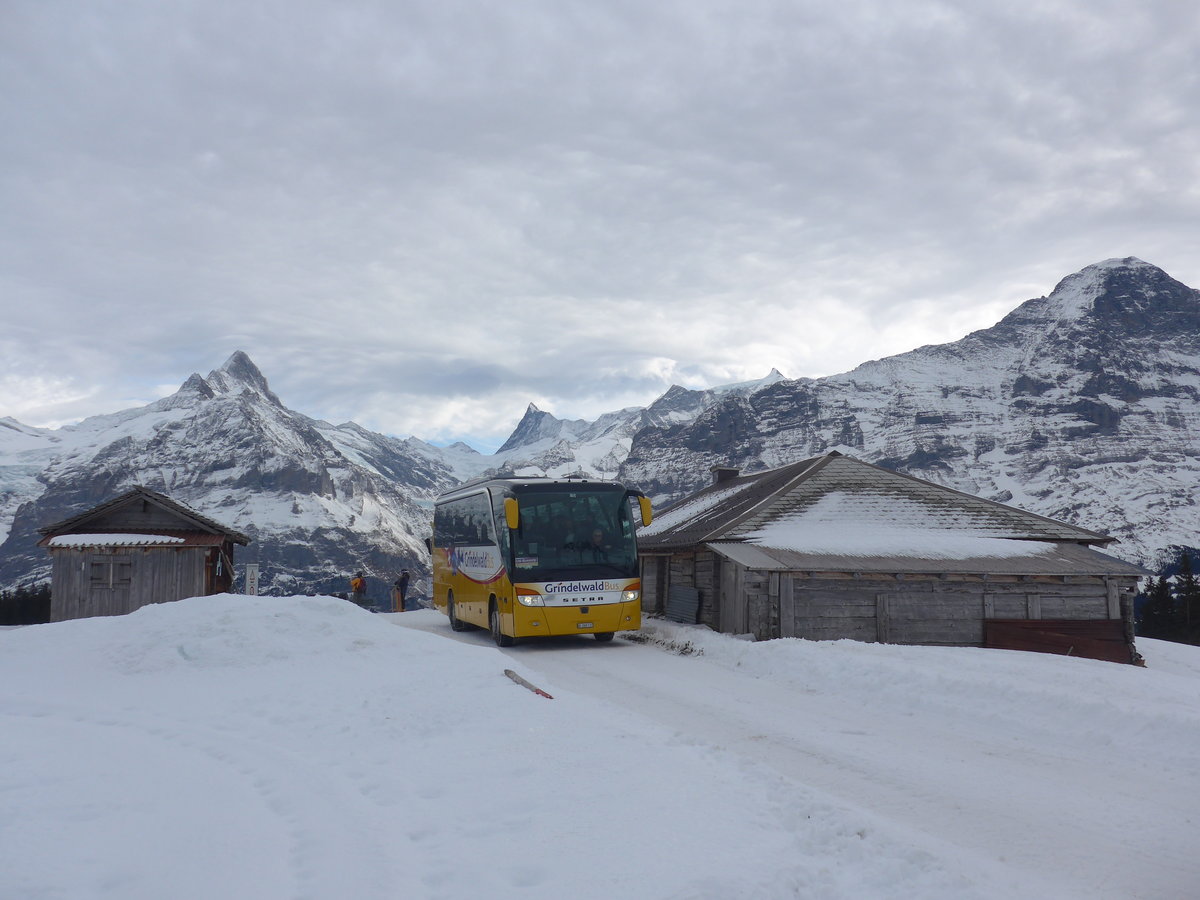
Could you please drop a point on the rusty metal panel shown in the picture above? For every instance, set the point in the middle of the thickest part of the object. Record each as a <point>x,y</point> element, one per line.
<point>1102,639</point>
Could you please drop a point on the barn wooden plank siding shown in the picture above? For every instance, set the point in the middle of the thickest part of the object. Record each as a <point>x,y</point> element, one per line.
<point>747,586</point>
<point>139,548</point>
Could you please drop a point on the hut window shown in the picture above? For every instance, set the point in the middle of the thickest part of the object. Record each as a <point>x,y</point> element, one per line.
<point>111,572</point>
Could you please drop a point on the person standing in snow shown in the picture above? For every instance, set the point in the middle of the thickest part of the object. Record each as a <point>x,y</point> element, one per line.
<point>401,590</point>
<point>358,589</point>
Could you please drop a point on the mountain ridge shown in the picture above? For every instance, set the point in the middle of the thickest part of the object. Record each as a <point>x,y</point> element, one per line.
<point>1082,405</point>
<point>1063,397</point>
<point>318,500</point>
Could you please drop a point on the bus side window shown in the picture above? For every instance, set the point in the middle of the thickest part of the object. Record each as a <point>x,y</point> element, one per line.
<point>480,519</point>
<point>500,523</point>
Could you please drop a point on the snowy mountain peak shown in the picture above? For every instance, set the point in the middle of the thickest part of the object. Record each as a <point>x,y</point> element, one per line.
<point>1115,279</point>
<point>1127,262</point>
<point>198,386</point>
<point>1101,306</point>
<point>11,423</point>
<point>749,387</point>
<point>534,426</point>
<point>238,374</point>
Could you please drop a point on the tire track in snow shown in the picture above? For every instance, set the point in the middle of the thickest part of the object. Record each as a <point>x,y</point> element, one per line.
<point>917,777</point>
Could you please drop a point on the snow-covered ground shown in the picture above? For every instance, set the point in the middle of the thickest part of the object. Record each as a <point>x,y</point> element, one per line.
<point>242,747</point>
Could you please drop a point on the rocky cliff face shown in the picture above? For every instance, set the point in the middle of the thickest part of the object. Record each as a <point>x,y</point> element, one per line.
<point>1083,405</point>
<point>544,445</point>
<point>319,500</point>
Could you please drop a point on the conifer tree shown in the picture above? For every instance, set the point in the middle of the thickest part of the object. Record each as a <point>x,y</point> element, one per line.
<point>1187,592</point>
<point>1158,613</point>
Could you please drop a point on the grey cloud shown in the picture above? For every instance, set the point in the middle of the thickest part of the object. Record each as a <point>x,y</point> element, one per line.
<point>390,199</point>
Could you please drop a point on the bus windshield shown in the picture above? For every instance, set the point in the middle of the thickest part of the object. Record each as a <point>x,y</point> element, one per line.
<point>570,532</point>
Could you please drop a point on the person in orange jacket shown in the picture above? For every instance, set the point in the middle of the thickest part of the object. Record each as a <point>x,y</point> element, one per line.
<point>358,589</point>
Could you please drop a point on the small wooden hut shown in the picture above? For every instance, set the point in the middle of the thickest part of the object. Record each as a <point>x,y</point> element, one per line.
<point>139,548</point>
<point>833,547</point>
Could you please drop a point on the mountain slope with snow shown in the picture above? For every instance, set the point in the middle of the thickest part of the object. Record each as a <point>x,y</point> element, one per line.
<point>1083,406</point>
<point>319,500</point>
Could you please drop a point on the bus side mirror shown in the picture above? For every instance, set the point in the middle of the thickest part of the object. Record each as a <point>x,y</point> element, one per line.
<point>511,514</point>
<point>429,544</point>
<point>647,512</point>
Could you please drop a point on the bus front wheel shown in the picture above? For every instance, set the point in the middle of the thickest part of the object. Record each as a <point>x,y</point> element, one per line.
<point>603,636</point>
<point>501,639</point>
<point>456,623</point>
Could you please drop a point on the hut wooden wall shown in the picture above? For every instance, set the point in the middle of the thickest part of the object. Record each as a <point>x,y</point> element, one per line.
<point>140,575</point>
<point>142,517</point>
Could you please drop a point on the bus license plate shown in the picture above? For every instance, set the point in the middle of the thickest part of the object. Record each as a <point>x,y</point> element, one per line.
<point>584,624</point>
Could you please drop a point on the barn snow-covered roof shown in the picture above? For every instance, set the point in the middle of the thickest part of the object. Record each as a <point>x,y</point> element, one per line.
<point>1034,558</point>
<point>833,501</point>
<point>707,513</point>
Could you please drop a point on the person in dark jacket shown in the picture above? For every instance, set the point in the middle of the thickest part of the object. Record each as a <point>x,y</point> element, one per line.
<point>401,589</point>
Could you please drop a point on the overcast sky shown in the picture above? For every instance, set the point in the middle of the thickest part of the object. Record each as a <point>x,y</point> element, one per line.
<point>423,216</point>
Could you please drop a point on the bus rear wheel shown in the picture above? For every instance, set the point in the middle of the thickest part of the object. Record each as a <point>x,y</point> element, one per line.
<point>456,623</point>
<point>603,636</point>
<point>501,639</point>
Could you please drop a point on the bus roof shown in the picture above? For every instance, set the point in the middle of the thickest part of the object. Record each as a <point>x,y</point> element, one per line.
<point>520,481</point>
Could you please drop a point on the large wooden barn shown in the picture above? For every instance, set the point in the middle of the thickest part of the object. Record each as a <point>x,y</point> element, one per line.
<point>833,547</point>
<point>136,549</point>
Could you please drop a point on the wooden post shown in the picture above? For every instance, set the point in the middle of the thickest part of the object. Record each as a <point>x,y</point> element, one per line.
<point>787,606</point>
<point>1113,595</point>
<point>1033,606</point>
<point>772,603</point>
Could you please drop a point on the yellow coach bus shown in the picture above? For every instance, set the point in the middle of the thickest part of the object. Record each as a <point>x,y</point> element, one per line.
<point>526,557</point>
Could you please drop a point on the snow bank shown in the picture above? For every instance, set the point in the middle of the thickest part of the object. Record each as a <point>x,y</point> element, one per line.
<point>1032,699</point>
<point>263,747</point>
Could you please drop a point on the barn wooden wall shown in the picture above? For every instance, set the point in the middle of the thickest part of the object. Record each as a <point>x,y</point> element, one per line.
<point>925,609</point>
<point>921,610</point>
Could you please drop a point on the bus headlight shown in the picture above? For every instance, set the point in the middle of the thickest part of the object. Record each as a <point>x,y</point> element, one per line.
<point>630,596</point>
<point>530,599</point>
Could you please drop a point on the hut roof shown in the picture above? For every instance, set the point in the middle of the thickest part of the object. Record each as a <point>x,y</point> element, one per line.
<point>190,521</point>
<point>829,504</point>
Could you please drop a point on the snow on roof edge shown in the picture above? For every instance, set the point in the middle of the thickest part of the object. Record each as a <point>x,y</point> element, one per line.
<point>112,540</point>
